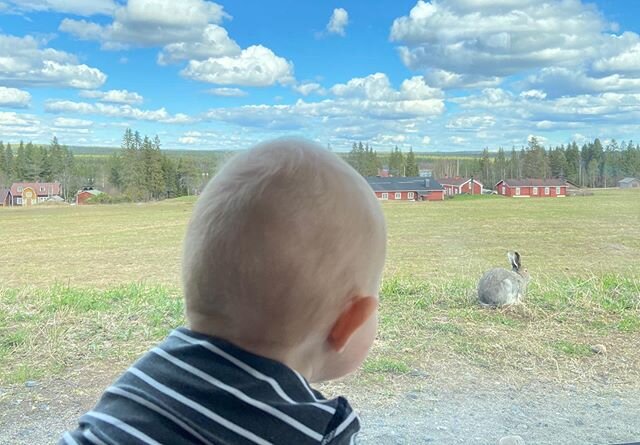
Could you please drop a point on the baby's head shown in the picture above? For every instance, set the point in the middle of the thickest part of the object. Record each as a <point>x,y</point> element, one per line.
<point>283,257</point>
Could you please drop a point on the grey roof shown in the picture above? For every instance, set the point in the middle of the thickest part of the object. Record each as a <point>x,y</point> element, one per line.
<point>627,180</point>
<point>3,194</point>
<point>533,182</point>
<point>399,184</point>
<point>456,181</point>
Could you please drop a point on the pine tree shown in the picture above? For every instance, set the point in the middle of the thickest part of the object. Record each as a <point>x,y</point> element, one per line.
<point>411,164</point>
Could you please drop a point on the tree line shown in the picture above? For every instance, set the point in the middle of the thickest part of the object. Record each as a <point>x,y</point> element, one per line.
<point>590,165</point>
<point>138,171</point>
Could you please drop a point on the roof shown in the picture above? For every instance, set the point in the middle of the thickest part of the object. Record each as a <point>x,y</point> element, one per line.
<point>533,182</point>
<point>399,184</point>
<point>628,180</point>
<point>91,191</point>
<point>456,181</point>
<point>50,188</point>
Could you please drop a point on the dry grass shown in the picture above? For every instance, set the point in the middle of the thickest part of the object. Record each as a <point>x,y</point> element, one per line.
<point>583,254</point>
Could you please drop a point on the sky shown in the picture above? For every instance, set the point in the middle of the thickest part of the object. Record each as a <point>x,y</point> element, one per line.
<point>439,75</point>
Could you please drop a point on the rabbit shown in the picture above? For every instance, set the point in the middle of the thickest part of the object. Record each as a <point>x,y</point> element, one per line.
<point>500,287</point>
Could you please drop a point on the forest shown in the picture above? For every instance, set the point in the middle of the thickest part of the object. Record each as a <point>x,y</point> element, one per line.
<point>141,171</point>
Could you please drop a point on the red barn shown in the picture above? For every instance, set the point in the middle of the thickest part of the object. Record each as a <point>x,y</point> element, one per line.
<point>85,194</point>
<point>30,193</point>
<point>532,188</point>
<point>406,189</point>
<point>457,186</point>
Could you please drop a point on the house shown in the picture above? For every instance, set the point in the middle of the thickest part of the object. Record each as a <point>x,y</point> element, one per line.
<point>30,193</point>
<point>406,189</point>
<point>85,194</point>
<point>532,188</point>
<point>457,186</point>
<point>383,172</point>
<point>629,183</point>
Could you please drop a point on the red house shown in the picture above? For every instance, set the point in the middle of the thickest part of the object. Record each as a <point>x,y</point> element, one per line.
<point>406,189</point>
<point>457,186</point>
<point>85,194</point>
<point>532,188</point>
<point>30,193</point>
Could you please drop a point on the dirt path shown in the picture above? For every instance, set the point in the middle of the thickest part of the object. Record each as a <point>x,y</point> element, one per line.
<point>428,413</point>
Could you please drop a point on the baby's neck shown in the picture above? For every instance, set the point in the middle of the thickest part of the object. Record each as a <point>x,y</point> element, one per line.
<point>299,358</point>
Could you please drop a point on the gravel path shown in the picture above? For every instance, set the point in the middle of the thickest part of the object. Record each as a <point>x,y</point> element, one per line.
<point>481,414</point>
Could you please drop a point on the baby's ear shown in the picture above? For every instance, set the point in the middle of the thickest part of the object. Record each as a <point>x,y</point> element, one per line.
<point>352,317</point>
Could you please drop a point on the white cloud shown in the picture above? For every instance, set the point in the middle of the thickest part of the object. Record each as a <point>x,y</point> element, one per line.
<point>24,62</point>
<point>308,88</point>
<point>369,105</point>
<point>255,66</point>
<point>621,56</point>
<point>533,94</point>
<point>13,119</point>
<point>338,21</point>
<point>497,38</point>
<point>190,140</point>
<point>150,23</point>
<point>227,92</point>
<point>14,98</point>
<point>558,81</point>
<point>114,96</point>
<point>426,140</point>
<point>214,42</point>
<point>471,122</point>
<point>125,111</point>
<point>65,122</point>
<point>458,140</point>
<point>78,7</point>
<point>541,139</point>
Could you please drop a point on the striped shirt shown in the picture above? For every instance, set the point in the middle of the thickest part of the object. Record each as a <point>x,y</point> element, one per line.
<point>195,389</point>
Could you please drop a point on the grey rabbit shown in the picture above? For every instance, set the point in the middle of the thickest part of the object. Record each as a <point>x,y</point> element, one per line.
<point>500,287</point>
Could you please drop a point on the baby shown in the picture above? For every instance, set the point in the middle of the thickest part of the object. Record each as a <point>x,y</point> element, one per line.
<point>282,265</point>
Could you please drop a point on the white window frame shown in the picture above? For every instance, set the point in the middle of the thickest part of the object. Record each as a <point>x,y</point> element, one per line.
<point>546,191</point>
<point>20,189</point>
<point>19,200</point>
<point>558,190</point>
<point>42,188</point>
<point>517,191</point>
<point>385,196</point>
<point>398,195</point>
<point>504,189</point>
<point>535,190</point>
<point>410,195</point>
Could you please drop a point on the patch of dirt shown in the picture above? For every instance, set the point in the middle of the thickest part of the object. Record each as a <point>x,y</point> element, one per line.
<point>415,408</point>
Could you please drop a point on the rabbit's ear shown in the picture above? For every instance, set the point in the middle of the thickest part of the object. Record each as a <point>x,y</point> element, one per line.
<point>514,259</point>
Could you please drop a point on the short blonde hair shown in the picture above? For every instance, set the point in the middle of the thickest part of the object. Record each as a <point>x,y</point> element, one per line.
<point>279,237</point>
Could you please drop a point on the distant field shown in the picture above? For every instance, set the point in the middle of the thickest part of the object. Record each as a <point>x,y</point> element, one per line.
<point>83,286</point>
<point>101,246</point>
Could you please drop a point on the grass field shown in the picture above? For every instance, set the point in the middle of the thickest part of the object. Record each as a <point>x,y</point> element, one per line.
<point>89,286</point>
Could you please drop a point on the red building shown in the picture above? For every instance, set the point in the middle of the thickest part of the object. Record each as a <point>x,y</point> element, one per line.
<point>30,193</point>
<point>532,188</point>
<point>406,189</point>
<point>85,194</point>
<point>458,186</point>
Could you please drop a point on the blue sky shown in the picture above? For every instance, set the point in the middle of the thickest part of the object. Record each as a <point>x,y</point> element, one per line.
<point>444,75</point>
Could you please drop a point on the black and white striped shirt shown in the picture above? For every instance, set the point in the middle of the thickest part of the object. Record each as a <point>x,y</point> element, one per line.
<point>195,389</point>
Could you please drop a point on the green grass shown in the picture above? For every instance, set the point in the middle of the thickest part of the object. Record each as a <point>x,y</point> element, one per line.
<point>67,300</point>
<point>47,331</point>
